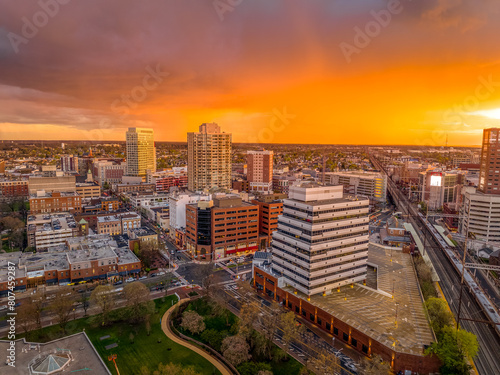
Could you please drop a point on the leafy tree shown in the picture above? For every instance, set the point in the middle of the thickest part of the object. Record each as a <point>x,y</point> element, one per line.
<point>374,366</point>
<point>102,296</point>
<point>252,368</point>
<point>214,338</point>
<point>62,305</point>
<point>246,323</point>
<point>138,302</point>
<point>235,349</point>
<point>453,348</point>
<point>323,363</point>
<point>291,330</point>
<point>439,314</point>
<point>193,322</point>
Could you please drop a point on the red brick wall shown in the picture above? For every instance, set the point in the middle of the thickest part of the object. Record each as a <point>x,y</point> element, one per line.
<point>400,361</point>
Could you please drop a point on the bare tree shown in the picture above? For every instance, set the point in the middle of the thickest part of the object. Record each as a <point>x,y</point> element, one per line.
<point>102,296</point>
<point>248,314</point>
<point>62,305</point>
<point>269,322</point>
<point>205,273</point>
<point>26,316</point>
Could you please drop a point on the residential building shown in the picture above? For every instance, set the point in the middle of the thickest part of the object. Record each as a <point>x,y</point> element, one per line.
<point>270,208</point>
<point>88,190</point>
<point>45,202</point>
<point>52,184</point>
<point>209,158</point>
<point>143,234</point>
<point>322,239</point>
<point>141,151</point>
<point>260,170</point>
<point>368,184</point>
<point>221,228</point>
<point>240,184</point>
<point>395,234</point>
<point>69,163</point>
<point>2,167</point>
<point>45,231</point>
<point>489,174</point>
<point>164,180</point>
<point>13,189</point>
<point>119,223</point>
<point>109,172</point>
<point>282,183</point>
<point>109,204</point>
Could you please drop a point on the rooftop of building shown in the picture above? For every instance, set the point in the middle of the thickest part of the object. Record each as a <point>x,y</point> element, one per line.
<point>372,311</point>
<point>364,174</point>
<point>83,354</point>
<point>108,219</point>
<point>53,194</point>
<point>143,231</point>
<point>49,222</point>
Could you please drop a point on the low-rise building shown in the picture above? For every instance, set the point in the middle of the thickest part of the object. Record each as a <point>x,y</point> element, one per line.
<point>45,231</point>
<point>164,180</point>
<point>118,223</point>
<point>143,234</point>
<point>138,187</point>
<point>369,184</point>
<point>270,208</point>
<point>145,199</point>
<point>52,184</point>
<point>49,202</point>
<point>88,190</point>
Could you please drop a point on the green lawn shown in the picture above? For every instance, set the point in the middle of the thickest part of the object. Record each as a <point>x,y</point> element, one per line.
<point>145,351</point>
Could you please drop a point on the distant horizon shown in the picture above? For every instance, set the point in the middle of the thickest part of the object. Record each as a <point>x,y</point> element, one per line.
<point>239,143</point>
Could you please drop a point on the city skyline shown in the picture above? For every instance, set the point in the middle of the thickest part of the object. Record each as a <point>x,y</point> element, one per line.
<point>59,84</point>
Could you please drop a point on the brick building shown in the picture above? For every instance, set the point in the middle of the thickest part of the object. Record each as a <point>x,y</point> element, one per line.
<point>13,189</point>
<point>270,207</point>
<point>44,202</point>
<point>221,228</point>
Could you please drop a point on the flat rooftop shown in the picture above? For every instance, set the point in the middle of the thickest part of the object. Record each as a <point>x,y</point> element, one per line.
<point>84,356</point>
<point>49,222</point>
<point>373,312</point>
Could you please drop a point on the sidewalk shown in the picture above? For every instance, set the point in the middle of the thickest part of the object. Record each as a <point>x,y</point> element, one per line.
<point>166,329</point>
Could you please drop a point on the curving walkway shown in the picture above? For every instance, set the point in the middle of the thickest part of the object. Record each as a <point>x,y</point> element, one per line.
<point>166,329</point>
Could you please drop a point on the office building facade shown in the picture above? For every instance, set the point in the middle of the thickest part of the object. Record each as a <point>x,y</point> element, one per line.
<point>489,174</point>
<point>260,170</point>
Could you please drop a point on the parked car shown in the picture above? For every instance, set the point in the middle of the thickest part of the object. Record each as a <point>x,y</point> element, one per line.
<point>152,275</point>
<point>161,273</point>
<point>143,278</point>
<point>130,279</point>
<point>118,282</point>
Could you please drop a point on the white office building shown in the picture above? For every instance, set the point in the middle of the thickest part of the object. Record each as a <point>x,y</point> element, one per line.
<point>322,239</point>
<point>480,215</point>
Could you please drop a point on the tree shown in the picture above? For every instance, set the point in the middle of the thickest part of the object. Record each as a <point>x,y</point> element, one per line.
<point>291,329</point>
<point>131,337</point>
<point>235,349</point>
<point>453,348</point>
<point>84,299</point>
<point>265,372</point>
<point>252,368</point>
<point>138,302</point>
<point>269,322</point>
<point>204,272</point>
<point>439,314</point>
<point>323,363</point>
<point>374,366</point>
<point>247,320</point>
<point>102,296</point>
<point>193,322</point>
<point>214,338</point>
<point>27,316</point>
<point>62,305</point>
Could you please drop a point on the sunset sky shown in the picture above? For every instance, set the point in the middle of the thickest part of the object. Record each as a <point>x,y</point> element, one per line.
<point>265,70</point>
